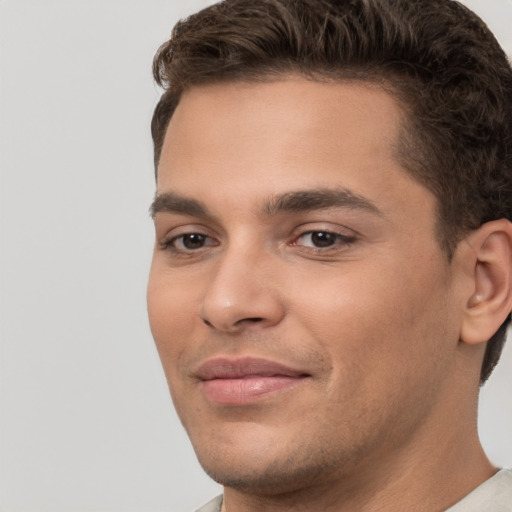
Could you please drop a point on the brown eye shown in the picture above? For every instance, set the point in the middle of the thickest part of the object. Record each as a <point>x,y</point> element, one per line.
<point>189,243</point>
<point>323,239</point>
<point>192,241</point>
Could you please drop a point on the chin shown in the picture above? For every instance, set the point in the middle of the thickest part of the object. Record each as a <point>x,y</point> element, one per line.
<point>276,478</point>
<point>261,468</point>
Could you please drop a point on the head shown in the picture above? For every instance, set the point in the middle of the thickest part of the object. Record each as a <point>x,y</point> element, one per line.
<point>344,160</point>
<point>437,58</point>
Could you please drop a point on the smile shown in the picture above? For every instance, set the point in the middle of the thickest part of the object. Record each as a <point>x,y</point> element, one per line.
<point>244,381</point>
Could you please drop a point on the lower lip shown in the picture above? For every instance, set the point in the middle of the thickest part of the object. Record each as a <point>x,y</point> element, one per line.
<point>246,390</point>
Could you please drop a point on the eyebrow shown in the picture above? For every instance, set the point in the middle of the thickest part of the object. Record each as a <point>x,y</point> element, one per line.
<point>170,202</point>
<point>319,199</point>
<point>289,202</point>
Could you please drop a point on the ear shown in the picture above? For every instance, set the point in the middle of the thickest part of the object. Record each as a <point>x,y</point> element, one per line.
<point>488,260</point>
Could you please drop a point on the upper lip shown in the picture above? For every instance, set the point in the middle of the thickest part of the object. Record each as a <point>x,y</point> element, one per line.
<point>226,368</point>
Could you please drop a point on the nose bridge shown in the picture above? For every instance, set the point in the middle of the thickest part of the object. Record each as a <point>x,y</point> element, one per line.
<point>242,290</point>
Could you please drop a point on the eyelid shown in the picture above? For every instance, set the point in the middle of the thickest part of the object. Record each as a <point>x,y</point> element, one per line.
<point>205,237</point>
<point>165,242</point>
<point>344,237</point>
<point>168,228</point>
<point>325,227</point>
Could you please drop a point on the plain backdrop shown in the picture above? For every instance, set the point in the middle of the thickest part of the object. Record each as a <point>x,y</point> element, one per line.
<point>86,420</point>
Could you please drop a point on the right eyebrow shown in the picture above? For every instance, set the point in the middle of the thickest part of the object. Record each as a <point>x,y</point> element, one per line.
<point>169,202</point>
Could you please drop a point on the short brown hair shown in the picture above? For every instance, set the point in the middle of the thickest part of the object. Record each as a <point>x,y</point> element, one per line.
<point>436,57</point>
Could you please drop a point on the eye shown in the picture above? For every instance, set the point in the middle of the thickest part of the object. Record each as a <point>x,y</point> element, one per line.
<point>188,242</point>
<point>322,239</point>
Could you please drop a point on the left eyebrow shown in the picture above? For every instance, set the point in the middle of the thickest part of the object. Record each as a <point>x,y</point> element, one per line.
<point>319,199</point>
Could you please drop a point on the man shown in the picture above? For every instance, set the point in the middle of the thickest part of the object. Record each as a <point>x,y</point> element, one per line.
<point>331,280</point>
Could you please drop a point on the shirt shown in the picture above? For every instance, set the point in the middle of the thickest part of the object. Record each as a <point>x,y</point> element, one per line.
<point>494,495</point>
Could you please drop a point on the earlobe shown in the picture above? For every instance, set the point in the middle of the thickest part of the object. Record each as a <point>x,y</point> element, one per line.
<point>490,260</point>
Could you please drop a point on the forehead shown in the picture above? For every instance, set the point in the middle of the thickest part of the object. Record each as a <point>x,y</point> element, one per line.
<point>248,140</point>
<point>335,112</point>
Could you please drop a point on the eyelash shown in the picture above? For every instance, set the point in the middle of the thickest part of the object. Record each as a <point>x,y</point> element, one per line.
<point>170,245</point>
<point>337,241</point>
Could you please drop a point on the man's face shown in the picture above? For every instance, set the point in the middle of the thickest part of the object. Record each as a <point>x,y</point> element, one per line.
<point>304,313</point>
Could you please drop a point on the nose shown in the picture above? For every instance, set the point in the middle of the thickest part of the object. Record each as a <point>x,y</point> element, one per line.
<point>242,294</point>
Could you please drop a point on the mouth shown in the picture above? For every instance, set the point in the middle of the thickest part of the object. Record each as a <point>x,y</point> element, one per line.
<point>246,380</point>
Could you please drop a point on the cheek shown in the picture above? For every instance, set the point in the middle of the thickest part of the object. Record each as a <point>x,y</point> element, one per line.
<point>378,322</point>
<point>171,309</point>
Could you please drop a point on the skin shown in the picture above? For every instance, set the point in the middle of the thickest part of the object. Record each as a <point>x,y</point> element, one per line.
<point>386,417</point>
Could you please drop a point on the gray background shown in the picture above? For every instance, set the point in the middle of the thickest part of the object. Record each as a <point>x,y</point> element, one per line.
<point>86,420</point>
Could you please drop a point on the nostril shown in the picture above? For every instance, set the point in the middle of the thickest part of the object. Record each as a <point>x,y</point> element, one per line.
<point>252,320</point>
<point>238,323</point>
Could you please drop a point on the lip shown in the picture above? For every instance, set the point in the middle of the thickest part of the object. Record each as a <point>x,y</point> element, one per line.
<point>245,380</point>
